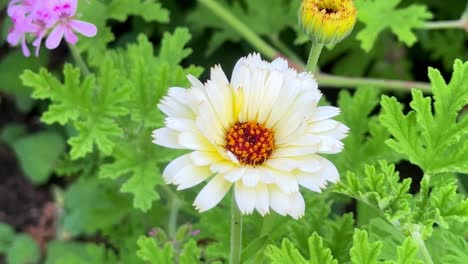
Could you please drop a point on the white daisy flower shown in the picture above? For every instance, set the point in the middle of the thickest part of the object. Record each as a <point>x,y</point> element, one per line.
<point>261,132</point>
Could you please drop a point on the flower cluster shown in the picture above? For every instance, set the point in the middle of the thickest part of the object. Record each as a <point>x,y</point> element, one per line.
<point>261,132</point>
<point>40,18</point>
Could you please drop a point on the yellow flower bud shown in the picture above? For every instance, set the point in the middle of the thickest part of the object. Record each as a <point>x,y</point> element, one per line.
<point>327,21</point>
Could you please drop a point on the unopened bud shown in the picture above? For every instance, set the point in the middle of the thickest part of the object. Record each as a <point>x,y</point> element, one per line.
<point>327,21</point>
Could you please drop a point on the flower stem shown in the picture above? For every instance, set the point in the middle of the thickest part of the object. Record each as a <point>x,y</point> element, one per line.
<point>236,233</point>
<point>172,224</point>
<point>239,26</point>
<point>461,23</point>
<point>324,79</point>
<point>314,56</point>
<point>174,204</point>
<point>78,59</point>
<point>396,85</point>
<point>422,247</point>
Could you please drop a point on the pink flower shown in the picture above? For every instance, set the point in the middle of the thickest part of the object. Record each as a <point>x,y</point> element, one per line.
<point>43,20</point>
<point>67,26</point>
<point>39,19</point>
<point>17,34</point>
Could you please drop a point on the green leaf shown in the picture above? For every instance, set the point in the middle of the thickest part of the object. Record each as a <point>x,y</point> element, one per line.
<point>99,130</point>
<point>7,235</point>
<point>364,252</point>
<point>340,236</point>
<point>380,15</point>
<point>435,142</point>
<point>23,249</point>
<point>12,65</point>
<point>38,153</point>
<point>190,253</point>
<point>408,253</point>
<point>434,43</point>
<point>100,13</point>
<point>82,215</point>
<point>148,10</point>
<point>447,247</point>
<point>365,143</point>
<point>381,188</point>
<point>90,106</point>
<point>151,253</point>
<point>59,252</point>
<point>449,204</point>
<point>12,132</point>
<point>286,254</point>
<point>173,49</point>
<point>148,79</point>
<point>318,253</point>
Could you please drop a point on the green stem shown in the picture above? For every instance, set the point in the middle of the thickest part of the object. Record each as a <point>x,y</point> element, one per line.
<point>324,79</point>
<point>461,23</point>
<point>175,205</point>
<point>314,55</point>
<point>78,59</point>
<point>350,82</point>
<point>172,224</point>
<point>422,247</point>
<point>243,29</point>
<point>236,233</point>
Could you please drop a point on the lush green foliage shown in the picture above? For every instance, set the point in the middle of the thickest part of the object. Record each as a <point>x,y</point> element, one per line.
<point>402,194</point>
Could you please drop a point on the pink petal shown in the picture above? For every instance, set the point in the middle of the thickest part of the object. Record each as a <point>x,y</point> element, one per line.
<point>70,37</point>
<point>25,49</point>
<point>84,28</point>
<point>54,38</point>
<point>13,37</point>
<point>37,43</point>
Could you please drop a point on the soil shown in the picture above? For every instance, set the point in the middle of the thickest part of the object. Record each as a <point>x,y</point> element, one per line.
<point>24,206</point>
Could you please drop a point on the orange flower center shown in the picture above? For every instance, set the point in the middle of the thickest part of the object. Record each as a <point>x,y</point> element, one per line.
<point>252,143</point>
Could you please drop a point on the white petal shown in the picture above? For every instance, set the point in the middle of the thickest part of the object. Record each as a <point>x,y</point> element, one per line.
<point>251,177</point>
<point>279,201</point>
<point>245,198</point>
<point>167,138</point>
<point>196,84</point>
<point>262,201</point>
<point>300,140</point>
<point>287,182</point>
<point>235,174</point>
<point>297,208</point>
<point>174,167</point>
<point>202,158</point>
<point>323,126</point>
<point>208,123</point>
<point>285,152</point>
<point>180,124</point>
<point>329,170</point>
<point>273,84</point>
<point>194,140</point>
<point>212,193</point>
<point>221,97</point>
<point>223,166</point>
<point>310,163</point>
<point>282,164</point>
<point>313,181</point>
<point>297,113</point>
<point>329,145</point>
<point>324,112</point>
<point>191,175</point>
<point>176,103</point>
